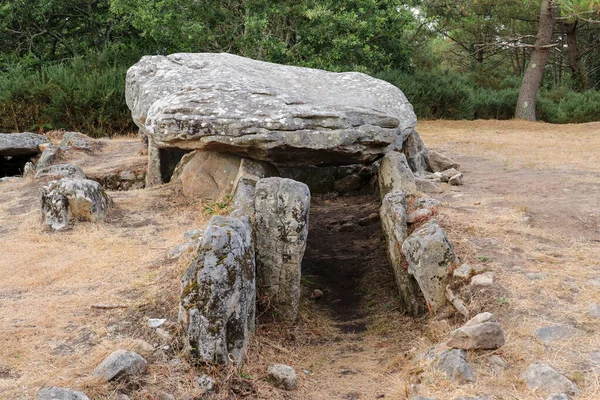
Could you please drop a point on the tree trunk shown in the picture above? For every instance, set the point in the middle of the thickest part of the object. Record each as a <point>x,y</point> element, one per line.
<point>580,82</point>
<point>532,79</point>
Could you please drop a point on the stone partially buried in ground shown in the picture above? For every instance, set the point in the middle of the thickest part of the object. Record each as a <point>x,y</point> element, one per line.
<point>59,171</point>
<point>430,258</point>
<point>439,162</point>
<point>543,378</point>
<point>68,200</point>
<point>283,376</point>
<point>283,114</point>
<point>121,363</point>
<point>453,362</point>
<point>485,279</point>
<point>481,332</point>
<point>57,393</point>
<point>549,334</point>
<point>21,144</point>
<point>281,228</point>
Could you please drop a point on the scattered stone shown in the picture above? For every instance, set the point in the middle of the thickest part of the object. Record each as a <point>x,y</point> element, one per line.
<point>165,335</point>
<point>549,334</point>
<point>430,258</point>
<point>369,219</point>
<point>47,157</point>
<point>282,114</point>
<point>535,276</point>
<point>218,293</point>
<point>59,171</point>
<point>464,272</point>
<point>20,144</point>
<point>543,378</point>
<point>29,170</point>
<point>56,393</point>
<point>77,141</point>
<point>395,174</point>
<point>68,200</point>
<point>485,279</point>
<point>428,202</point>
<point>155,322</point>
<point>416,153</point>
<point>558,396</point>
<point>447,174</point>
<point>316,294</point>
<point>456,180</point>
<point>393,224</point>
<point>481,332</point>
<point>498,361</point>
<point>283,376</point>
<point>143,347</point>
<point>121,363</point>
<point>428,186</point>
<point>195,234</point>
<point>348,183</point>
<point>180,250</point>
<point>440,162</point>
<point>281,224</point>
<point>419,216</point>
<point>453,362</point>
<point>594,310</point>
<point>205,382</point>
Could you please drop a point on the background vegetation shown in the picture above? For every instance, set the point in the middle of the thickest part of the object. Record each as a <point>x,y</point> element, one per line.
<point>63,62</point>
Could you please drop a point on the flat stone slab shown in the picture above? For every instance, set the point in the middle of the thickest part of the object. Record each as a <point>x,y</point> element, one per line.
<point>283,114</point>
<point>549,334</point>
<point>21,144</point>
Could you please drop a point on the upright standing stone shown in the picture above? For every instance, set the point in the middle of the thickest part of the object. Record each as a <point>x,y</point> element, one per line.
<point>218,293</point>
<point>395,174</point>
<point>393,223</point>
<point>281,226</point>
<point>430,258</point>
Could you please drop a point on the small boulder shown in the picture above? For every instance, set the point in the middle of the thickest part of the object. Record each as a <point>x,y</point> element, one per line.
<point>453,363</point>
<point>543,378</point>
<point>553,333</point>
<point>59,171</point>
<point>395,174</point>
<point>47,157</point>
<point>121,363</point>
<point>485,279</point>
<point>77,141</point>
<point>427,202</point>
<point>428,185</point>
<point>419,215</point>
<point>447,174</point>
<point>594,310</point>
<point>440,162</point>
<point>68,200</point>
<point>57,393</point>
<point>456,180</point>
<point>481,332</point>
<point>498,361</point>
<point>283,376</point>
<point>205,383</point>
<point>464,272</point>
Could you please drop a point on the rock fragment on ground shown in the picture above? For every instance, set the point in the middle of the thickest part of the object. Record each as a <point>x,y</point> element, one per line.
<point>543,378</point>
<point>440,162</point>
<point>58,393</point>
<point>456,180</point>
<point>558,396</point>
<point>282,376</point>
<point>419,216</point>
<point>78,141</point>
<point>553,333</point>
<point>485,279</point>
<point>481,332</point>
<point>453,362</point>
<point>205,383</point>
<point>464,272</point>
<point>428,186</point>
<point>121,364</point>
<point>58,171</point>
<point>594,310</point>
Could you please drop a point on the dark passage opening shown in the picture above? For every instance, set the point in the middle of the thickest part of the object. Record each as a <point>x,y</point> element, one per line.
<point>169,158</point>
<point>12,165</point>
<point>344,242</point>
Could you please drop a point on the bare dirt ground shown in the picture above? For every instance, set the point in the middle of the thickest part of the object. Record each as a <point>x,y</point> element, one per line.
<point>530,203</point>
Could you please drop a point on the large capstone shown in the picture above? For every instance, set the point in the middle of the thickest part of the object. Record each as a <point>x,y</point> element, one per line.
<point>67,200</point>
<point>282,114</point>
<point>21,144</point>
<point>281,225</point>
<point>430,258</point>
<point>218,293</point>
<point>393,223</point>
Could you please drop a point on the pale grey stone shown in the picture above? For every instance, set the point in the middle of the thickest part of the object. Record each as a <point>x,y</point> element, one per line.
<point>281,223</point>
<point>47,157</point>
<point>57,393</point>
<point>282,114</point>
<point>21,144</point>
<point>535,276</point>
<point>395,174</point>
<point>430,258</point>
<point>543,378</point>
<point>67,200</point>
<point>283,376</point>
<point>480,332</point>
<point>121,364</point>
<point>428,186</point>
<point>440,162</point>
<point>416,153</point>
<point>464,272</point>
<point>205,383</point>
<point>195,234</point>
<point>218,293</point>
<point>155,322</point>
<point>456,180</point>
<point>485,279</point>
<point>594,310</point>
<point>453,363</point>
<point>558,396</point>
<point>28,170</point>
<point>428,202</point>
<point>447,174</point>
<point>393,224</point>
<point>58,171</point>
<point>549,334</point>
<point>77,141</point>
<point>498,361</point>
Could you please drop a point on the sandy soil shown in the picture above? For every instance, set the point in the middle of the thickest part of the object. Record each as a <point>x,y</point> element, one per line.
<point>530,203</point>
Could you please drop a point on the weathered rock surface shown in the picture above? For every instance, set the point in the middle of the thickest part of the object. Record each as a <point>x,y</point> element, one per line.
<point>553,333</point>
<point>57,393</point>
<point>416,153</point>
<point>427,202</point>
<point>447,174</point>
<point>393,224</point>
<point>67,200</point>
<point>464,272</point>
<point>78,141</point>
<point>456,180</point>
<point>244,192</point>
<point>439,162</point>
<point>425,185</point>
<point>21,144</point>
<point>543,378</point>
<point>218,293</point>
<point>453,362</point>
<point>121,364</point>
<point>47,157</point>
<point>58,171</point>
<point>419,215</point>
<point>281,225</point>
<point>481,332</point>
<point>283,376</point>
<point>395,174</point>
<point>485,279</point>
<point>205,383</point>
<point>594,310</point>
<point>430,258</point>
<point>283,114</point>
<point>558,396</point>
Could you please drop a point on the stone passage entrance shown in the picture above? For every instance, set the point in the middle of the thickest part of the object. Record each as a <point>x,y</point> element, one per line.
<point>344,240</point>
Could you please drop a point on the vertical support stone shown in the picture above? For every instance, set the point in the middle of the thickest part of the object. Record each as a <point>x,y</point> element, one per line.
<point>395,174</point>
<point>393,223</point>
<point>281,227</point>
<point>153,176</point>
